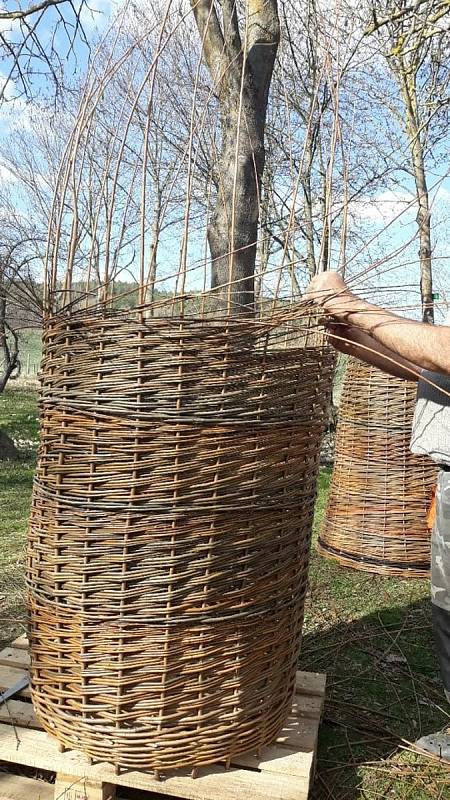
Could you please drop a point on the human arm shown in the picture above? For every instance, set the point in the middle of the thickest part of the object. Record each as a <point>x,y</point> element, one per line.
<point>428,346</point>
<point>355,342</point>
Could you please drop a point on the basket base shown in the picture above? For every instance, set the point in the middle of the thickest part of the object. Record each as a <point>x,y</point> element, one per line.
<point>283,770</point>
<point>394,569</point>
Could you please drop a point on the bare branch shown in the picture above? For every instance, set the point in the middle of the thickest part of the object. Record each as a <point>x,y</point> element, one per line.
<point>22,13</point>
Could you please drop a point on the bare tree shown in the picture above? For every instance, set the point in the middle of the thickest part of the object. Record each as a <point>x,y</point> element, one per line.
<point>36,40</point>
<point>414,39</point>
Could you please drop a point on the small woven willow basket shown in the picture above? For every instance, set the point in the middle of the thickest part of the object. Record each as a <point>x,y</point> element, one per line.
<point>169,535</point>
<point>376,519</point>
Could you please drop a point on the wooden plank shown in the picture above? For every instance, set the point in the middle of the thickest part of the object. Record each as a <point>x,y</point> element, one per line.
<point>36,749</point>
<point>298,739</point>
<point>21,643</point>
<point>68,787</point>
<point>16,787</point>
<point>15,657</point>
<point>310,707</point>
<point>279,760</point>
<point>9,676</point>
<point>16,712</point>
<point>310,683</point>
<point>301,736</point>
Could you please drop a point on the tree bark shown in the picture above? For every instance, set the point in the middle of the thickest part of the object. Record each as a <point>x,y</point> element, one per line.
<point>423,217</point>
<point>241,71</point>
<point>424,224</point>
<point>8,450</point>
<point>233,230</point>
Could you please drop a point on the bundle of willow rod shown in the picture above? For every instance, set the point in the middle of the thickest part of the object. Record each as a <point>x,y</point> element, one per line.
<point>169,535</point>
<point>376,519</point>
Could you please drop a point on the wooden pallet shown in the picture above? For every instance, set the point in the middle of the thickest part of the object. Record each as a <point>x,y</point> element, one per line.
<point>283,771</point>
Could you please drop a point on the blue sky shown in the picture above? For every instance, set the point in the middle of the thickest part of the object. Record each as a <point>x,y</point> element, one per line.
<point>387,219</point>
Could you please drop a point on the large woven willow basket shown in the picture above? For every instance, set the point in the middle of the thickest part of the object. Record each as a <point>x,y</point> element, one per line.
<point>169,535</point>
<point>376,519</point>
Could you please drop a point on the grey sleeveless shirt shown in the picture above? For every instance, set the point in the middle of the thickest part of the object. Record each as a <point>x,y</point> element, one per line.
<point>431,423</point>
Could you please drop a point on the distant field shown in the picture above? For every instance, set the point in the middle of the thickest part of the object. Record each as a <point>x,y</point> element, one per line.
<point>30,351</point>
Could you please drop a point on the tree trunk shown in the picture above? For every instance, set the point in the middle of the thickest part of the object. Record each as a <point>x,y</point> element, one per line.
<point>8,450</point>
<point>413,131</point>
<point>241,69</point>
<point>10,353</point>
<point>424,224</point>
<point>233,230</point>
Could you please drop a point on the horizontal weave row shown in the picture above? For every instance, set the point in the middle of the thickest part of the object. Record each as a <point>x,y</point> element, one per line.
<point>169,535</point>
<point>376,519</point>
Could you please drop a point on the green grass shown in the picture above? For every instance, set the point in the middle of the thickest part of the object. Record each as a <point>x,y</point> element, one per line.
<point>370,635</point>
<point>18,417</point>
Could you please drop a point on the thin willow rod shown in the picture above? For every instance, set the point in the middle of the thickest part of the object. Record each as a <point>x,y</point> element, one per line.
<point>409,205</point>
<point>335,135</point>
<point>145,151</point>
<point>75,218</point>
<point>102,196</point>
<point>298,177</point>
<point>99,88</point>
<point>358,279</point>
<point>61,181</point>
<point>205,247</point>
<point>232,221</point>
<point>376,264</point>
<point>148,75</point>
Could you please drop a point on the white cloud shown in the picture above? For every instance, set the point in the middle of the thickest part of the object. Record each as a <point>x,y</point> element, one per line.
<point>96,14</point>
<point>384,207</point>
<point>6,175</point>
<point>8,26</point>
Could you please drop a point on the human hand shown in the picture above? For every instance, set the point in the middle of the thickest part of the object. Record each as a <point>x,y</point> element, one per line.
<point>330,292</point>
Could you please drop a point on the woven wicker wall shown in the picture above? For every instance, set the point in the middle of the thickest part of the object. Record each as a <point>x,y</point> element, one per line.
<point>376,519</point>
<point>169,536</point>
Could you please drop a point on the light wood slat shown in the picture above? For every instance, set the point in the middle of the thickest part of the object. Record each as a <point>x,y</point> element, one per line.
<point>36,749</point>
<point>280,760</point>
<point>9,677</point>
<point>301,736</point>
<point>15,657</point>
<point>310,707</point>
<point>310,683</point>
<point>16,712</point>
<point>16,787</point>
<point>67,787</point>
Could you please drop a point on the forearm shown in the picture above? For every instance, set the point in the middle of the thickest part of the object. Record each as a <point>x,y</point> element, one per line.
<point>356,342</point>
<point>427,346</point>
